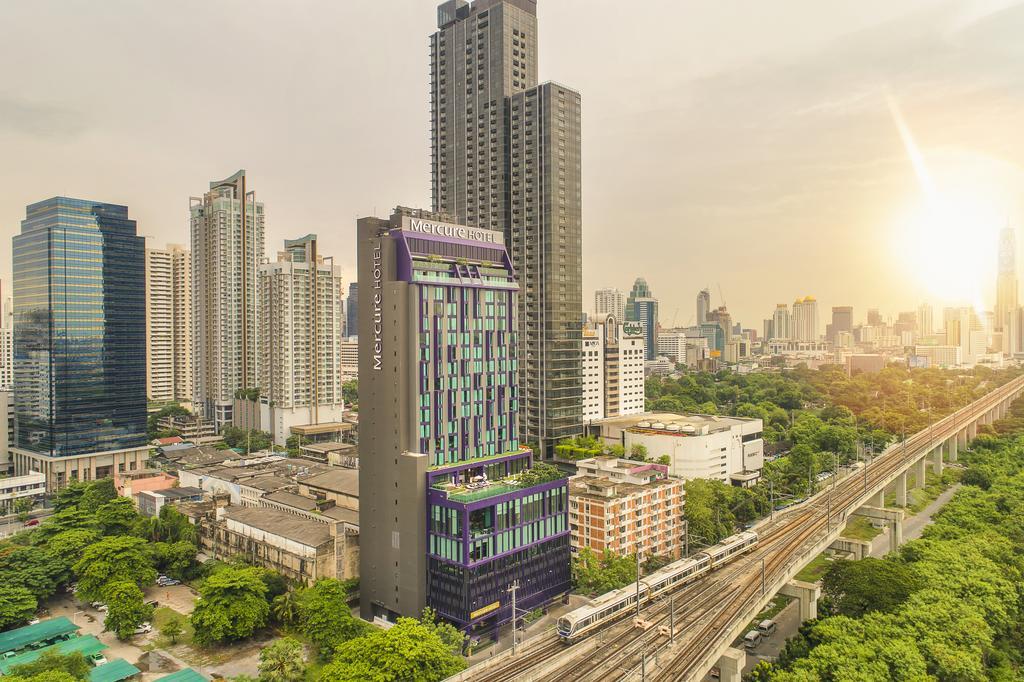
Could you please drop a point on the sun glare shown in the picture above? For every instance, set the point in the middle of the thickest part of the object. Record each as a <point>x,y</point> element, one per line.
<point>950,245</point>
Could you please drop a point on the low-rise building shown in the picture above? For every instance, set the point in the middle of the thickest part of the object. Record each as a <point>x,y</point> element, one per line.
<point>189,426</point>
<point>296,546</point>
<point>340,485</point>
<point>150,502</point>
<point>626,507</point>
<point>728,449</point>
<point>30,486</point>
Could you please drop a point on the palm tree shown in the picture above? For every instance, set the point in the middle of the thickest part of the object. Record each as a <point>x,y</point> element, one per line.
<point>286,607</point>
<point>283,661</point>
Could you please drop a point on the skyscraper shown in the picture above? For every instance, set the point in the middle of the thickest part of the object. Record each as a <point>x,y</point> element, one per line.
<point>445,517</point>
<point>842,321</point>
<point>703,306</point>
<point>506,156</point>
<point>169,324</point>
<point>804,322</point>
<point>1007,287</point>
<point>781,322</point>
<point>925,319</point>
<point>227,248</point>
<point>640,290</point>
<point>610,302</point>
<point>300,297</point>
<point>79,342</point>
<point>352,310</point>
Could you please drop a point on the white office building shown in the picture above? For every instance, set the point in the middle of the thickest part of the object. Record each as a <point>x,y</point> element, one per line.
<point>613,368</point>
<point>169,324</point>
<point>610,302</point>
<point>672,344</point>
<point>350,358</point>
<point>804,322</point>
<point>728,449</point>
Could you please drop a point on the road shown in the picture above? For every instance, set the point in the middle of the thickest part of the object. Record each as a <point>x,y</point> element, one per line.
<point>12,525</point>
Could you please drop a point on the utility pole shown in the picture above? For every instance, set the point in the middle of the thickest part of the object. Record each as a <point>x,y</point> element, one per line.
<point>643,666</point>
<point>686,537</point>
<point>829,511</point>
<point>762,577</point>
<point>638,580</point>
<point>671,618</point>
<point>771,492</point>
<point>512,588</point>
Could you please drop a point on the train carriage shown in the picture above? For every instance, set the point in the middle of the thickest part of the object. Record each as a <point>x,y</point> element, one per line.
<point>612,605</point>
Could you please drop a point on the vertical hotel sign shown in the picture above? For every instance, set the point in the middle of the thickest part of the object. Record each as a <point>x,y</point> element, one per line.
<point>378,327</point>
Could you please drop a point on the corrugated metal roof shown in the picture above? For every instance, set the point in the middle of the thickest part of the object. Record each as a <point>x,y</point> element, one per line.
<point>113,671</point>
<point>12,640</point>
<point>87,645</point>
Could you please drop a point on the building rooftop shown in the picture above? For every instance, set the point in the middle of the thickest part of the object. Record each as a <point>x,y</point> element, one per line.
<point>183,675</point>
<point>336,480</point>
<point>269,483</point>
<point>674,424</point>
<point>342,514</point>
<point>12,640</point>
<point>583,487</point>
<point>289,526</point>
<point>113,671</point>
<point>177,493</point>
<point>203,455</point>
<point>300,502</point>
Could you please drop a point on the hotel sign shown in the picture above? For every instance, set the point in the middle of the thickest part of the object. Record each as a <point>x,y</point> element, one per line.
<point>378,327</point>
<point>485,609</point>
<point>632,329</point>
<point>474,234</point>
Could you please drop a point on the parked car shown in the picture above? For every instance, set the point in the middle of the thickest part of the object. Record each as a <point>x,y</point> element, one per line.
<point>767,628</point>
<point>98,659</point>
<point>153,602</point>
<point>752,639</point>
<point>144,629</point>
<point>32,522</point>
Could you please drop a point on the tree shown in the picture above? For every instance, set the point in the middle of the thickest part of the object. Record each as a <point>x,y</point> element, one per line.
<point>113,559</point>
<point>71,543</point>
<point>283,661</point>
<point>175,559</point>
<point>16,605</point>
<point>406,651</point>
<point>325,618</point>
<point>285,607</point>
<point>47,676</point>
<point>126,608</point>
<point>116,517</point>
<point>73,664</point>
<point>172,629</point>
<point>97,493</point>
<point>665,459</point>
<point>452,637</point>
<point>152,423</point>
<point>350,392</point>
<point>232,606</point>
<point>593,574</point>
<point>540,472</point>
<point>858,587</point>
<point>638,452</point>
<point>37,570</point>
<point>69,496</point>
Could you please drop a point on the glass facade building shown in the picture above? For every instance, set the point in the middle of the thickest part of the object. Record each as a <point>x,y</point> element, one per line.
<point>439,398</point>
<point>80,329</point>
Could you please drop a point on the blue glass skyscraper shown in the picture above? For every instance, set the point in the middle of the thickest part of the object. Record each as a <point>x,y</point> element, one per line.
<point>79,342</point>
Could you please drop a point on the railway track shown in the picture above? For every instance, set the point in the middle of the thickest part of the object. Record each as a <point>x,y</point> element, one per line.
<point>847,495</point>
<point>703,618</point>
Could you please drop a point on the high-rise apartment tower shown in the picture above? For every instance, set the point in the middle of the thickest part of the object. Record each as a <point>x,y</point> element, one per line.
<point>227,249</point>
<point>169,324</point>
<point>506,156</point>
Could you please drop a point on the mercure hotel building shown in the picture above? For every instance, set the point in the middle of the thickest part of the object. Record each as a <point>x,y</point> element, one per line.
<point>446,517</point>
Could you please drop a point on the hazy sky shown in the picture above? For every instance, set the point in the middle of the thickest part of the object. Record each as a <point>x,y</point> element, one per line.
<point>741,145</point>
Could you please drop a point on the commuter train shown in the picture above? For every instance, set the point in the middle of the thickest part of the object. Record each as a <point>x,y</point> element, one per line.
<point>575,625</point>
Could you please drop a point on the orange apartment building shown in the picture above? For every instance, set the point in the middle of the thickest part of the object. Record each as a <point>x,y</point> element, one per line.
<point>626,506</point>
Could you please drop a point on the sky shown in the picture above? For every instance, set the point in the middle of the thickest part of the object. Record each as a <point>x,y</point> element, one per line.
<point>751,147</point>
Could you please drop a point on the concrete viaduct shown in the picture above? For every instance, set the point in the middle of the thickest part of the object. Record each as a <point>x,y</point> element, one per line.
<point>901,467</point>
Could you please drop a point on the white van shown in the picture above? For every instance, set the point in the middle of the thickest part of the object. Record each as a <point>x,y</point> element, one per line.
<point>767,628</point>
<point>752,639</point>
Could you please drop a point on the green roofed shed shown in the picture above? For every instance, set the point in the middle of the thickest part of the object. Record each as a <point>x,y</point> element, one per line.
<point>114,671</point>
<point>87,645</point>
<point>185,675</point>
<point>43,631</point>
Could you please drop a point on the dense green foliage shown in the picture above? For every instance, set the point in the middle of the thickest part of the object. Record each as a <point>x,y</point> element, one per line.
<point>325,618</point>
<point>46,676</point>
<point>597,574</point>
<point>410,650</point>
<point>152,423</point>
<point>17,605</point>
<point>350,394</point>
<point>283,661</point>
<point>120,558</point>
<point>126,608</point>
<point>232,605</point>
<point>247,441</point>
<point>49,663</point>
<point>540,472</point>
<point>944,607</point>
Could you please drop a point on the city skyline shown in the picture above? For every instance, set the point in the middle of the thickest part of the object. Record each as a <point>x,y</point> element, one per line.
<point>823,154</point>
